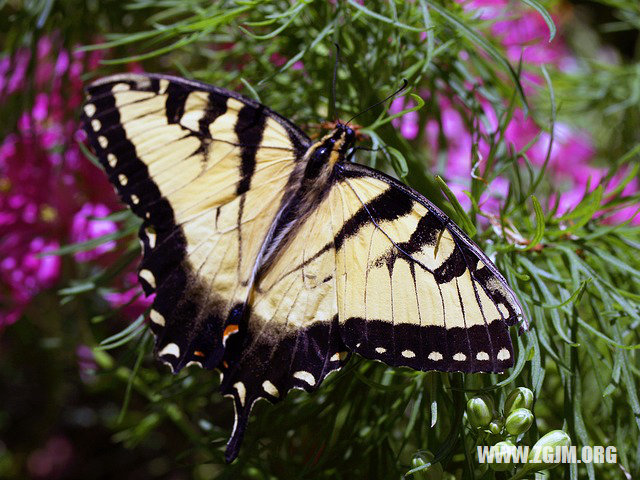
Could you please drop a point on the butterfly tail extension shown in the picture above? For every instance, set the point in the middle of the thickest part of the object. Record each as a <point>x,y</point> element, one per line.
<point>242,411</point>
<point>263,366</point>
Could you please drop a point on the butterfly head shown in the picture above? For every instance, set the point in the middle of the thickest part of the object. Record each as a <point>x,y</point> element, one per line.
<point>337,143</point>
<point>329,151</point>
<point>347,133</point>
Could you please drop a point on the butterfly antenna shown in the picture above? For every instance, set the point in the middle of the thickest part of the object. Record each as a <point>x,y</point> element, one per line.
<point>333,84</point>
<point>404,85</point>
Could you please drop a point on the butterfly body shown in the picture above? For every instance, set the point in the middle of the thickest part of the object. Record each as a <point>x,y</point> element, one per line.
<point>274,258</point>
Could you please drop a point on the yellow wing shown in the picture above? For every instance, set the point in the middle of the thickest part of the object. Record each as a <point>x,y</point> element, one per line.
<point>207,170</point>
<point>412,288</point>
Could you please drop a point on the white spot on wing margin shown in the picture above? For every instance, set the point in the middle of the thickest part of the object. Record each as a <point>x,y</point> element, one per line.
<point>435,356</point>
<point>270,388</point>
<point>242,391</point>
<point>482,356</point>
<point>170,349</point>
<point>148,277</point>
<point>504,354</point>
<point>305,377</point>
<point>90,109</point>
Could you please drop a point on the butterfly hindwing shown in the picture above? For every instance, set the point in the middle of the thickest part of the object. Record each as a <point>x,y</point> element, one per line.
<point>206,169</point>
<point>413,289</point>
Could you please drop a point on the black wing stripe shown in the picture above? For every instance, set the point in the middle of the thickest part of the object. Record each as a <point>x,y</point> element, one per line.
<point>151,82</point>
<point>389,205</point>
<point>175,103</point>
<point>488,271</point>
<point>161,213</point>
<point>249,129</point>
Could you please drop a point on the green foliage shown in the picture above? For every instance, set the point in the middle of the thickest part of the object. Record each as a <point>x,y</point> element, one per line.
<point>577,277</point>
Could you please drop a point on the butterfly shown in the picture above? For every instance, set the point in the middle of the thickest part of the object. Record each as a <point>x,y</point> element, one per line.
<point>274,258</point>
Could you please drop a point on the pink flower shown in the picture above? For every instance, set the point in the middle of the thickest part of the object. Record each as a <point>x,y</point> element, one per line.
<point>495,194</point>
<point>625,213</point>
<point>630,213</point>
<point>569,160</point>
<point>521,130</point>
<point>5,63</point>
<point>44,182</point>
<point>458,190</point>
<point>87,226</point>
<point>24,272</point>
<point>408,123</point>
<point>523,32</point>
<point>570,199</point>
<point>131,299</point>
<point>20,64</point>
<point>279,60</point>
<point>571,150</point>
<point>566,201</point>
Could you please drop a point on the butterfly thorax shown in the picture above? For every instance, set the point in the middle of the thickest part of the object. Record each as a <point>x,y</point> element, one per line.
<point>317,173</point>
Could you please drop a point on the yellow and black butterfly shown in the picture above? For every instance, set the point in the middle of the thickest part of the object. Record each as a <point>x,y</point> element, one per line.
<point>274,258</point>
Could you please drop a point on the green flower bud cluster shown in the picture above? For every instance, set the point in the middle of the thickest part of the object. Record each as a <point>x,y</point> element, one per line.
<point>517,418</point>
<point>505,430</point>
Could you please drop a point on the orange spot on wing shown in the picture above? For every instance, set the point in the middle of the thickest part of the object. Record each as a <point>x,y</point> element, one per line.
<point>226,365</point>
<point>229,330</point>
<point>198,353</point>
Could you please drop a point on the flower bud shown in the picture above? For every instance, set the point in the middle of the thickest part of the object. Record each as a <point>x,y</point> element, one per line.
<point>521,397</point>
<point>519,421</point>
<point>505,450</point>
<point>432,472</point>
<point>542,455</point>
<point>480,411</point>
<point>495,427</point>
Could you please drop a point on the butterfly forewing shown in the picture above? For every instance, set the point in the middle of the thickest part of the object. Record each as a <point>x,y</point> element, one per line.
<point>207,170</point>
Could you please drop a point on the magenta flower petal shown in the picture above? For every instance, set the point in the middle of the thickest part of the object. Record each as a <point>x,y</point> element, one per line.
<point>21,62</point>
<point>44,181</point>
<point>396,106</point>
<point>85,228</point>
<point>62,63</point>
<point>625,214</point>
<point>493,197</point>
<point>131,298</point>
<point>52,460</point>
<point>458,190</point>
<point>40,107</point>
